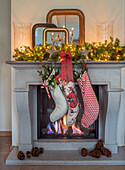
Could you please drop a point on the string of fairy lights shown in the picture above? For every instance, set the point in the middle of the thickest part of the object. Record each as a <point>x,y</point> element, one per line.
<point>105,51</point>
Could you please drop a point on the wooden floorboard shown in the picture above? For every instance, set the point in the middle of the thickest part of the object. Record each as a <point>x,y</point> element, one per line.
<point>6,142</point>
<point>5,133</point>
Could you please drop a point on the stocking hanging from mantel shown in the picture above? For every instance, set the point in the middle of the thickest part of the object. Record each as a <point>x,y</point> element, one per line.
<point>66,82</point>
<point>91,106</point>
<point>58,97</point>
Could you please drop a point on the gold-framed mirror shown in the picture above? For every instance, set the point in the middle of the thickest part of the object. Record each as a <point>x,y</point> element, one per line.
<point>69,18</point>
<point>48,35</point>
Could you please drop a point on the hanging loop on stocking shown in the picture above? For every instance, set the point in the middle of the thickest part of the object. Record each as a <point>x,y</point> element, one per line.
<point>66,72</point>
<point>45,84</point>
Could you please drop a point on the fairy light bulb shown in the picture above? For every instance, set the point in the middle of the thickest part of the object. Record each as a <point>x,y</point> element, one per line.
<point>52,34</point>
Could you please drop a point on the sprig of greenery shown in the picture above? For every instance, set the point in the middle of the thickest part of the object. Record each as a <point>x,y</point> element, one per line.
<point>45,74</point>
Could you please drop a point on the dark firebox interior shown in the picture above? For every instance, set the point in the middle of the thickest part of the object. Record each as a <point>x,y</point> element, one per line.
<point>45,106</point>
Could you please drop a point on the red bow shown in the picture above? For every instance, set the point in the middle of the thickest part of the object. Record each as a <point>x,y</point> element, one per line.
<point>66,72</point>
<point>64,55</point>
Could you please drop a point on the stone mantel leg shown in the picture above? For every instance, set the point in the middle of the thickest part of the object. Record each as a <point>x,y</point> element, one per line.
<point>111,120</point>
<point>22,99</point>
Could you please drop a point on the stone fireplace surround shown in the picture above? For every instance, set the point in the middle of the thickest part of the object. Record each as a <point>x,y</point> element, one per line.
<point>106,74</point>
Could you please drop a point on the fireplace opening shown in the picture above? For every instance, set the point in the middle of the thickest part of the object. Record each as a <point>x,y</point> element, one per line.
<point>59,129</point>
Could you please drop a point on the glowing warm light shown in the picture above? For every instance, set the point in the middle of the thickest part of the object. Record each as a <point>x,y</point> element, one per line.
<point>61,128</point>
<point>22,35</point>
<point>40,47</point>
<point>83,48</point>
<point>63,26</point>
<point>64,119</point>
<point>76,130</point>
<point>87,57</point>
<point>52,34</point>
<point>23,48</point>
<point>56,126</point>
<point>72,28</point>
<point>42,87</point>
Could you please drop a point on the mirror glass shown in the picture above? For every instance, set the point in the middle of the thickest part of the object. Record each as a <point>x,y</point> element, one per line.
<point>71,22</point>
<point>55,38</point>
<point>39,36</point>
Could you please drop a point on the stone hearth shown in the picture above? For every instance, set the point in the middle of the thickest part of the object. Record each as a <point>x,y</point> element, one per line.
<point>106,74</point>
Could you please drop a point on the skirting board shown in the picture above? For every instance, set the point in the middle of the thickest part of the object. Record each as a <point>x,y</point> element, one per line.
<point>5,133</point>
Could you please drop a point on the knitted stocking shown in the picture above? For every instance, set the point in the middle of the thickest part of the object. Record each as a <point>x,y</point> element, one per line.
<point>61,104</point>
<point>91,106</point>
<point>59,99</point>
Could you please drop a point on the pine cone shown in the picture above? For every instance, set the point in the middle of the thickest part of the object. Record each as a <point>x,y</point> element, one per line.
<point>21,155</point>
<point>99,144</point>
<point>95,153</point>
<point>40,150</point>
<point>28,154</point>
<point>35,151</point>
<point>106,151</point>
<point>84,152</point>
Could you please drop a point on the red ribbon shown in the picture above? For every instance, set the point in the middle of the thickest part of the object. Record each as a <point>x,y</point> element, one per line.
<point>66,71</point>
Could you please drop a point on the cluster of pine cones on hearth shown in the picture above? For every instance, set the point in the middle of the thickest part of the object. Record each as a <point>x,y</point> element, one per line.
<point>98,151</point>
<point>34,152</point>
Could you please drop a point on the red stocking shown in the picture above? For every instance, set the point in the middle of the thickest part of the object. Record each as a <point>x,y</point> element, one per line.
<point>91,106</point>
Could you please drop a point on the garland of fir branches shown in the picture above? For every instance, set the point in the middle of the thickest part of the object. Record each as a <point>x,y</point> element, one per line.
<point>98,52</point>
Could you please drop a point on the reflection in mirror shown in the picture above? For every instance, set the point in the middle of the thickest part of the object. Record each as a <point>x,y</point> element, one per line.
<point>71,22</point>
<point>55,38</point>
<point>39,36</point>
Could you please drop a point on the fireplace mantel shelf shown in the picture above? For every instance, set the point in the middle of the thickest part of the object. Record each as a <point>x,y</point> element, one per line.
<point>90,64</point>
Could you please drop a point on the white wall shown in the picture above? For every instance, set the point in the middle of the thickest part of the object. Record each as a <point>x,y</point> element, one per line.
<point>5,71</point>
<point>95,11</point>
